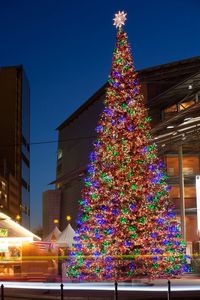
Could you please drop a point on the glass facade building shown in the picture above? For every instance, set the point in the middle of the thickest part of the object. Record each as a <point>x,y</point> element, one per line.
<point>15,134</point>
<point>172,95</point>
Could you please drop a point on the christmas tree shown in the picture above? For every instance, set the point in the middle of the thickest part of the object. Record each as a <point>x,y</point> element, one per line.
<point>127,227</point>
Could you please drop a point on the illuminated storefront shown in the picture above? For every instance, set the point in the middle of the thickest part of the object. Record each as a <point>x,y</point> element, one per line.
<point>178,140</point>
<point>23,255</point>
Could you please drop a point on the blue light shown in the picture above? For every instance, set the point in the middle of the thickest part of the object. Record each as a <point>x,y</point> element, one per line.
<point>185,268</point>
<point>136,90</point>
<point>131,128</point>
<point>97,253</point>
<point>132,206</point>
<point>160,221</point>
<point>99,128</point>
<point>172,229</point>
<point>108,111</point>
<point>131,266</point>
<point>152,168</point>
<point>101,222</point>
<point>154,235</point>
<point>108,259</point>
<point>103,207</point>
<point>127,244</point>
<point>122,119</point>
<point>115,212</point>
<point>78,246</point>
<point>168,188</point>
<point>176,243</point>
<point>116,74</point>
<point>165,242</point>
<point>88,264</point>
<point>155,259</point>
<point>150,198</point>
<point>161,165</point>
<point>97,143</point>
<point>171,214</point>
<point>98,236</point>
<point>91,169</point>
<point>93,156</point>
<point>157,251</point>
<point>114,122</point>
<point>116,84</point>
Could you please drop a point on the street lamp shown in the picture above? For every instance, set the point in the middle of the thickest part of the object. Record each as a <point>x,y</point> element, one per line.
<point>68,218</point>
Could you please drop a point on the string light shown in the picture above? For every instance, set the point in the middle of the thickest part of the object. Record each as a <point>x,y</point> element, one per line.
<point>127,227</point>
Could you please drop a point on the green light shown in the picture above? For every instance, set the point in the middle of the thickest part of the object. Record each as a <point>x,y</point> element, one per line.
<point>131,228</point>
<point>123,220</point>
<point>125,211</point>
<point>94,196</point>
<point>142,220</point>
<point>133,236</point>
<point>136,252</point>
<point>133,187</point>
<point>118,60</point>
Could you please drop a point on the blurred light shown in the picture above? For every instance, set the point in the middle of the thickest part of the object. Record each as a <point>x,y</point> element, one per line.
<point>55,221</point>
<point>190,87</point>
<point>68,218</point>
<point>18,217</point>
<point>198,202</point>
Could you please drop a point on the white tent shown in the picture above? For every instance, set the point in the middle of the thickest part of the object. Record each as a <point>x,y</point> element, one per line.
<point>53,235</point>
<point>66,239</point>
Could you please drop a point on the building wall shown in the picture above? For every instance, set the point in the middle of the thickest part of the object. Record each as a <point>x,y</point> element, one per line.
<point>78,138</point>
<point>51,210</point>
<point>73,156</point>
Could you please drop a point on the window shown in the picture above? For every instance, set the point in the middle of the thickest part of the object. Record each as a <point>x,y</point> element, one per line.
<point>172,110</point>
<point>184,105</point>
<point>59,154</point>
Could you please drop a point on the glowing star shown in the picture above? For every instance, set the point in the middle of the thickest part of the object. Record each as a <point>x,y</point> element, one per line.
<point>119,19</point>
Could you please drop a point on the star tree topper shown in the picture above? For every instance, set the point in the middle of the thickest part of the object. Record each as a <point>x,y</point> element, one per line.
<point>119,19</point>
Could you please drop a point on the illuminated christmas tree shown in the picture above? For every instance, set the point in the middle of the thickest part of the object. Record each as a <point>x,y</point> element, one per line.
<point>127,227</point>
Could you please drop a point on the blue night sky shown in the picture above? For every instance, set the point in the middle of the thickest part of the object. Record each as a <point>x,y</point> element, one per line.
<point>66,49</point>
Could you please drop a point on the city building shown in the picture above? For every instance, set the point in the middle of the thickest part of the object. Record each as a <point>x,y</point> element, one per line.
<point>14,146</point>
<point>171,93</point>
<point>51,211</point>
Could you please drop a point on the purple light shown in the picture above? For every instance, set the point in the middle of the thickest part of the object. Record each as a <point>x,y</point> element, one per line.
<point>99,128</point>
<point>116,84</point>
<point>131,128</point>
<point>108,111</point>
<point>154,235</point>
<point>115,212</point>
<point>132,206</point>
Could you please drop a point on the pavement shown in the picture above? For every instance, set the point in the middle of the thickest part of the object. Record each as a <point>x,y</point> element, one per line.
<point>187,288</point>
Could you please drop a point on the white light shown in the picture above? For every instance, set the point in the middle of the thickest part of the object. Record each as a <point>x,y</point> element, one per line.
<point>198,202</point>
<point>171,126</point>
<point>119,19</point>
<point>176,287</point>
<point>187,119</point>
<point>190,87</point>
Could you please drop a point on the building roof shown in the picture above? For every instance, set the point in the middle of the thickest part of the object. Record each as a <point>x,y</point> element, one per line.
<point>15,230</point>
<point>178,91</point>
<point>184,68</point>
